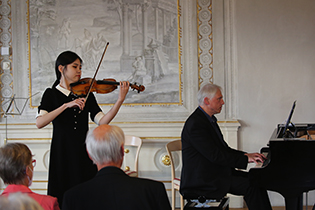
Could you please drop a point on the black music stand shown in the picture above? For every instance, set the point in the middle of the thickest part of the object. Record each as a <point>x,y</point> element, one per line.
<point>12,102</point>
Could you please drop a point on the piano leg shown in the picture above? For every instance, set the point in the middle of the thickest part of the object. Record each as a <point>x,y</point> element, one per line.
<point>294,203</point>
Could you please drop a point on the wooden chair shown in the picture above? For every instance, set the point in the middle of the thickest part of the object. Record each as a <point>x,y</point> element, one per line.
<point>222,203</point>
<point>174,146</point>
<point>132,150</point>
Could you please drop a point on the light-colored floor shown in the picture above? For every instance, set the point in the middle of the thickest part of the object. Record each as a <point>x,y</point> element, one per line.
<point>273,208</point>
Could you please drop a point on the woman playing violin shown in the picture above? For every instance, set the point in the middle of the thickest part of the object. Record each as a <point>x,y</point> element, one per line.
<point>69,163</point>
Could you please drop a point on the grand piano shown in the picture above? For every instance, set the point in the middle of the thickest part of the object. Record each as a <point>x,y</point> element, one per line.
<point>290,166</point>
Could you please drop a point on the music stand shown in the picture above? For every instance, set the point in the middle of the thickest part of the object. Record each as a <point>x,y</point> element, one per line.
<point>12,102</point>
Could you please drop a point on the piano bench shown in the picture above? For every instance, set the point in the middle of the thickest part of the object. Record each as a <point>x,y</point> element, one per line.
<point>205,203</point>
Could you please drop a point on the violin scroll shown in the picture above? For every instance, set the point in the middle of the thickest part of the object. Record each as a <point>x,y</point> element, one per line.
<point>137,87</point>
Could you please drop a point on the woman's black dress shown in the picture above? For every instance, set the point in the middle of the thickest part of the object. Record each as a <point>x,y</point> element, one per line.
<point>69,163</point>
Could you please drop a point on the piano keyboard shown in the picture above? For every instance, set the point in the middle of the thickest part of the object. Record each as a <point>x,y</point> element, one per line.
<point>266,162</point>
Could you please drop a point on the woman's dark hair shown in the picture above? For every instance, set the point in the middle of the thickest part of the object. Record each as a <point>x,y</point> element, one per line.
<point>14,158</point>
<point>64,59</point>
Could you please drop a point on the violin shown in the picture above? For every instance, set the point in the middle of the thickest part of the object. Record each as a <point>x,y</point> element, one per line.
<point>83,86</point>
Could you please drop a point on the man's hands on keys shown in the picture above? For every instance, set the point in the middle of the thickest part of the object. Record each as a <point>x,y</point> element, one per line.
<point>255,157</point>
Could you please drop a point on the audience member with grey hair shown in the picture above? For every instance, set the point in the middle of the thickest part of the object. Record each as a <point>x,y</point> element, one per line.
<point>19,201</point>
<point>112,188</point>
<point>17,170</point>
<point>106,146</point>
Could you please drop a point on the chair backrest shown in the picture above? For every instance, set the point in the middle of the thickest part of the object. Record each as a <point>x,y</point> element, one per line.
<point>132,156</point>
<point>173,146</point>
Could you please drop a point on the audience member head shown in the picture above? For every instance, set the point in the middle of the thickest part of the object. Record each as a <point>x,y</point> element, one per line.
<point>16,164</point>
<point>19,201</point>
<point>209,91</point>
<point>105,145</point>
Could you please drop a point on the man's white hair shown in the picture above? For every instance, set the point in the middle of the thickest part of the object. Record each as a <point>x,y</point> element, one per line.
<point>106,148</point>
<point>208,90</point>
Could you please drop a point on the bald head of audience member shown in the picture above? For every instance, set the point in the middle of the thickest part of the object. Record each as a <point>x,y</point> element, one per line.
<point>105,145</point>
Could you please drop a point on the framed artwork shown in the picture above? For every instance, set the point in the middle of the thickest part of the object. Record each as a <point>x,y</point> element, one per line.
<point>143,37</point>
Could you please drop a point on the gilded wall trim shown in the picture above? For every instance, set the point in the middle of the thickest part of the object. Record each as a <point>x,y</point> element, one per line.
<point>205,42</point>
<point>37,44</point>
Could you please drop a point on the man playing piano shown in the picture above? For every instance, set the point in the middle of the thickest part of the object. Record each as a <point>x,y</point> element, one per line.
<point>209,164</point>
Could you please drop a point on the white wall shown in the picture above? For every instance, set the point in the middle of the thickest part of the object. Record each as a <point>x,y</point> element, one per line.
<point>275,50</point>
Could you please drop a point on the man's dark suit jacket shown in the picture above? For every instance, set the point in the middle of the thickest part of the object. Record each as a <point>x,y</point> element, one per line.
<point>112,189</point>
<point>208,162</point>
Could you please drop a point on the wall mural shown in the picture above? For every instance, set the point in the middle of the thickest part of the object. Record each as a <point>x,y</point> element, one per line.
<point>144,45</point>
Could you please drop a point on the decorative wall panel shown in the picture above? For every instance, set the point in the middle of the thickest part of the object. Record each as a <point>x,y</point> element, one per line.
<point>205,47</point>
<point>5,57</point>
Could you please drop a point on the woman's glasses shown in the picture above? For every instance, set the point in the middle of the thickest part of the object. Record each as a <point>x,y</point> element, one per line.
<point>34,162</point>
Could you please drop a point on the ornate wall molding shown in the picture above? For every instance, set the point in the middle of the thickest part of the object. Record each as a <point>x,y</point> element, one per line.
<point>6,77</point>
<point>221,71</point>
<point>205,43</point>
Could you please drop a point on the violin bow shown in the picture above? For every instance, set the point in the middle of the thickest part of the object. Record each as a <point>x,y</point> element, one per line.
<point>98,67</point>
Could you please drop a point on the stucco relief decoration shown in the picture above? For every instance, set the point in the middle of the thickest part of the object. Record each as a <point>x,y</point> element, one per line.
<point>205,51</point>
<point>143,45</point>
<point>5,39</point>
